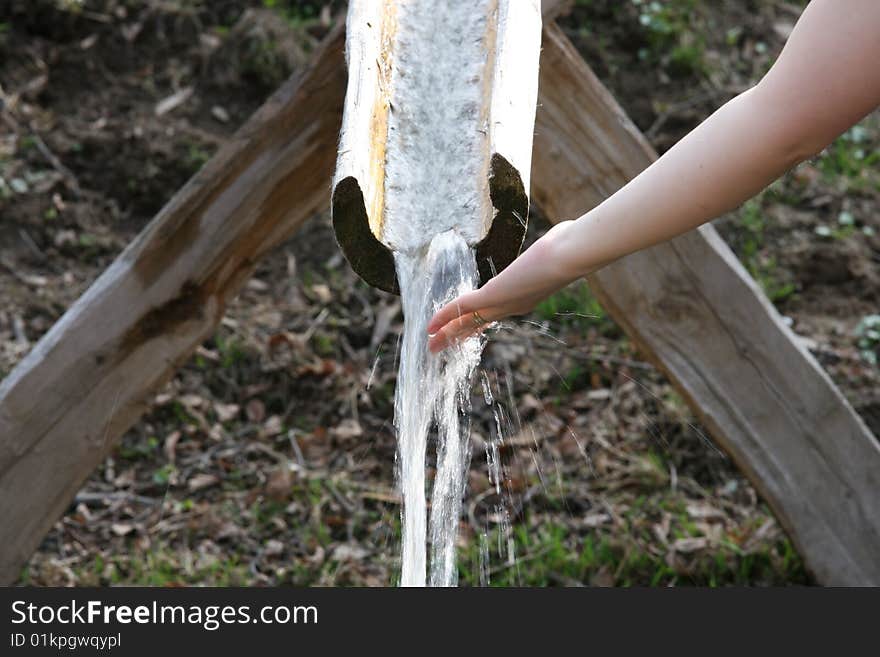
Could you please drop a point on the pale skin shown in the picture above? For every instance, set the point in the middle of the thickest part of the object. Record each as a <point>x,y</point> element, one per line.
<point>826,79</point>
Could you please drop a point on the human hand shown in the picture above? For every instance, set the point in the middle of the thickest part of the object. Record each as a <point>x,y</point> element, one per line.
<point>536,274</point>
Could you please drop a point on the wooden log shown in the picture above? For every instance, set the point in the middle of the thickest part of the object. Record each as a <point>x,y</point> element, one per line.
<point>691,307</point>
<point>437,130</point>
<point>88,379</point>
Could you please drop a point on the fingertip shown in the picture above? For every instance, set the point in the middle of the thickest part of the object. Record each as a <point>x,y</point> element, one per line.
<point>438,342</point>
<point>439,320</point>
<point>434,323</point>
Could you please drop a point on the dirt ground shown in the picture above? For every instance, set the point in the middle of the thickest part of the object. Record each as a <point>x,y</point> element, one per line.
<point>269,459</point>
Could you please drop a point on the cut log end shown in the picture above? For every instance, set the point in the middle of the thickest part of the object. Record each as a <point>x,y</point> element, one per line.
<point>372,260</point>
<point>504,240</point>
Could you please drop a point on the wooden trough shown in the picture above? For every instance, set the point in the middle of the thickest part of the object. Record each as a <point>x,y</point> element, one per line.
<point>688,304</point>
<point>389,191</point>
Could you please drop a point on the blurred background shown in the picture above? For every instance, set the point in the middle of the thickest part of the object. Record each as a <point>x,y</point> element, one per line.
<point>269,458</point>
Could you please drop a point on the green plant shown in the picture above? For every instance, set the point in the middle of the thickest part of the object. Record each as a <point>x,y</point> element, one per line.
<point>324,344</point>
<point>196,157</point>
<point>575,306</point>
<point>846,226</point>
<point>163,475</point>
<point>851,157</point>
<point>868,334</point>
<point>671,39</point>
<point>297,13</point>
<point>231,352</point>
<point>751,243</point>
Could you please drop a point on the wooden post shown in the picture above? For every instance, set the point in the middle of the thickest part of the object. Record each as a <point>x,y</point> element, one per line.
<point>691,307</point>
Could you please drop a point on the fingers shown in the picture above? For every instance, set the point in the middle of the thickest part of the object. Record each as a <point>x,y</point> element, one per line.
<point>466,303</point>
<point>461,328</point>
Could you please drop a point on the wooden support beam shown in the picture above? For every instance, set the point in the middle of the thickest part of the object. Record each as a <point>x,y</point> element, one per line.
<point>692,308</point>
<point>88,380</point>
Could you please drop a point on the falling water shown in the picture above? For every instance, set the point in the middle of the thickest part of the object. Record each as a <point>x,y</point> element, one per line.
<point>436,203</point>
<point>433,390</point>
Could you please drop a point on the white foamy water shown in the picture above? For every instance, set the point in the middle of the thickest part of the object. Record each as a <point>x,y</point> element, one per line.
<point>433,390</point>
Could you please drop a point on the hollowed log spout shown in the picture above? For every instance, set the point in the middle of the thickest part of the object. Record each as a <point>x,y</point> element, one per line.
<point>437,130</point>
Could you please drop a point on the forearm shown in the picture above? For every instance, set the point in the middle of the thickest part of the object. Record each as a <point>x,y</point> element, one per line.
<point>825,80</point>
<point>726,160</point>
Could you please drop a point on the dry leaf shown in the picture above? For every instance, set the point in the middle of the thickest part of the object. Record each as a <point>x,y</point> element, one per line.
<point>201,481</point>
<point>226,412</point>
<point>173,101</point>
<point>596,519</point>
<point>348,428</point>
<point>255,410</point>
<point>280,483</point>
<point>689,544</point>
<point>273,426</point>
<point>346,552</point>
<point>171,445</point>
<point>704,511</point>
<point>322,293</point>
<point>273,548</point>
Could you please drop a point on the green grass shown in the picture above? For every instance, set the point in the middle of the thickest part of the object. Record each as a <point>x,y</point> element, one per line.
<point>138,450</point>
<point>850,159</point>
<point>575,307</point>
<point>673,40</point>
<point>868,334</point>
<point>551,554</point>
<point>164,569</point>
<point>196,157</point>
<point>230,350</point>
<point>298,13</point>
<point>324,344</point>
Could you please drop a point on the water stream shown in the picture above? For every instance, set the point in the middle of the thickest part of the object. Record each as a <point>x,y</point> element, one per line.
<point>436,203</point>
<point>433,391</point>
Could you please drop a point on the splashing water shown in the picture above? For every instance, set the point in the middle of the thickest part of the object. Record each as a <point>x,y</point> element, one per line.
<point>433,389</point>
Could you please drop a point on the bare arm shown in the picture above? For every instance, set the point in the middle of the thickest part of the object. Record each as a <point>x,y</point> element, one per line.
<point>826,79</point>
